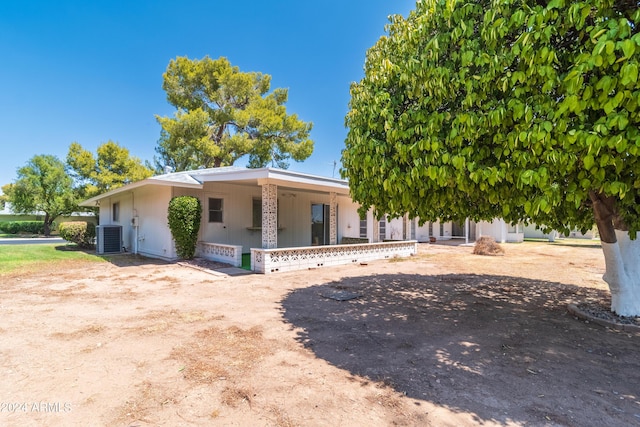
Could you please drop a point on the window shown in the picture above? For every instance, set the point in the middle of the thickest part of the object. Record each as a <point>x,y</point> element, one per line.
<point>383,228</point>
<point>363,228</point>
<point>215,210</point>
<point>115,214</point>
<point>256,213</point>
<point>430,229</point>
<point>256,221</point>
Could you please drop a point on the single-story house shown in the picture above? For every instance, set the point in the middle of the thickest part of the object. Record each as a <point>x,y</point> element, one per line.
<point>285,220</point>
<point>532,231</point>
<point>468,231</point>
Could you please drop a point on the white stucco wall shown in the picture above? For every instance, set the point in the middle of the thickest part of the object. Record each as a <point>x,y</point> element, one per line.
<point>531,232</point>
<point>496,229</point>
<point>154,237</point>
<point>150,205</point>
<point>349,219</point>
<point>500,231</point>
<point>237,212</point>
<point>394,229</point>
<point>124,219</point>
<point>422,232</point>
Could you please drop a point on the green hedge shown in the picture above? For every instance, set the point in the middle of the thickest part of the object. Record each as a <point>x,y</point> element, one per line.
<point>184,222</point>
<point>81,233</point>
<point>16,227</point>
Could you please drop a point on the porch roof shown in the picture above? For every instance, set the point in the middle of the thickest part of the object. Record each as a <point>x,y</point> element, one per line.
<point>233,174</point>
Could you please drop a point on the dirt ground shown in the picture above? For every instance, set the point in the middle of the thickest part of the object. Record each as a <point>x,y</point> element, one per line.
<point>445,338</point>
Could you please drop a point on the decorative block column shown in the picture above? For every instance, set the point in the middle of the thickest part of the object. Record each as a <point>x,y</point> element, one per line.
<point>333,218</point>
<point>269,216</point>
<point>406,227</point>
<point>466,231</point>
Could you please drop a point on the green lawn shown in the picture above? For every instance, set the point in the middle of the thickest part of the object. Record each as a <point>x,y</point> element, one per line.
<point>567,241</point>
<point>29,257</point>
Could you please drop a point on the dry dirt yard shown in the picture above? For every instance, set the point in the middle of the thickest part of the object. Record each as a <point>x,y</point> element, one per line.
<point>445,338</point>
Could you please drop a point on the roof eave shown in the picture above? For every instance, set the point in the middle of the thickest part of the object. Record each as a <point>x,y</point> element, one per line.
<point>92,202</point>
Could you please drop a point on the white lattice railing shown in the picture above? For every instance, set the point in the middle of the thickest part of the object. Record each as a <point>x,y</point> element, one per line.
<point>302,258</point>
<point>230,254</point>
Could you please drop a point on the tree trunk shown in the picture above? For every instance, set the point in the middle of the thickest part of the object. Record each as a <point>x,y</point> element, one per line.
<point>621,257</point>
<point>47,225</point>
<point>622,261</point>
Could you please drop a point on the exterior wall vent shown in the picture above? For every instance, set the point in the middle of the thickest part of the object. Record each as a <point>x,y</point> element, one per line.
<point>109,239</point>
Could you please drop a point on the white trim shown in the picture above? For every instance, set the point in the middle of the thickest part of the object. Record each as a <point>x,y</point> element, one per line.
<point>94,201</point>
<point>231,174</point>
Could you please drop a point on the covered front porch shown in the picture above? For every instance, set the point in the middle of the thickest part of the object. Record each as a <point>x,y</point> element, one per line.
<point>285,221</point>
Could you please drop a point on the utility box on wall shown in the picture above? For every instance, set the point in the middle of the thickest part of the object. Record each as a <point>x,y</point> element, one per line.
<point>109,239</point>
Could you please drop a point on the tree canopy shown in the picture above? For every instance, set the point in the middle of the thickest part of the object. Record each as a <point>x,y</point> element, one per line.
<point>486,109</point>
<point>224,114</point>
<point>523,110</point>
<point>4,196</point>
<point>112,167</point>
<point>42,185</point>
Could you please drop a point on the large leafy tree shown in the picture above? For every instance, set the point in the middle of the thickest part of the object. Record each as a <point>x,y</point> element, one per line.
<point>110,168</point>
<point>42,185</point>
<point>224,114</point>
<point>524,110</point>
<point>4,196</point>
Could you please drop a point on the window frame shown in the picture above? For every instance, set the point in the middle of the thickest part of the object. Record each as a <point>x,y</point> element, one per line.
<point>364,225</point>
<point>382,228</point>
<point>256,209</point>
<point>220,212</point>
<point>115,212</point>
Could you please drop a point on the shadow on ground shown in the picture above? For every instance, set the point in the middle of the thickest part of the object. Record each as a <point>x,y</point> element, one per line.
<point>503,349</point>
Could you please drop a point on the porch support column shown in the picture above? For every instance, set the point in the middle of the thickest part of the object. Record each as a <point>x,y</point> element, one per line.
<point>376,230</point>
<point>269,216</point>
<point>333,218</point>
<point>466,231</point>
<point>405,222</point>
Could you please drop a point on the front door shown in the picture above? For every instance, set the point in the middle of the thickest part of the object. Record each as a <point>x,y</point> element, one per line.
<point>319,224</point>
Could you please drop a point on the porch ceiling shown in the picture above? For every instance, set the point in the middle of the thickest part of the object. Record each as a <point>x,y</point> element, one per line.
<point>281,178</point>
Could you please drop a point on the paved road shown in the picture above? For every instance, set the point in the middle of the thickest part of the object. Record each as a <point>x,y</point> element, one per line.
<point>31,241</point>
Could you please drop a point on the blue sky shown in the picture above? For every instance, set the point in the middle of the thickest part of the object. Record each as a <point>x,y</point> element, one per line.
<point>91,71</point>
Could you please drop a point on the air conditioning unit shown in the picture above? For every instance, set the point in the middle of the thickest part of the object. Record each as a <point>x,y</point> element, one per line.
<point>109,239</point>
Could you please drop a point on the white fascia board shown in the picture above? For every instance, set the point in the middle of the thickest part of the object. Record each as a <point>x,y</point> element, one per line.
<point>307,179</point>
<point>280,177</point>
<point>195,179</point>
<point>92,202</point>
<point>233,175</point>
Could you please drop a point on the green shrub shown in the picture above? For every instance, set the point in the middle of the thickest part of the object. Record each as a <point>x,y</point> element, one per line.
<point>184,222</point>
<point>81,233</point>
<point>15,227</point>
